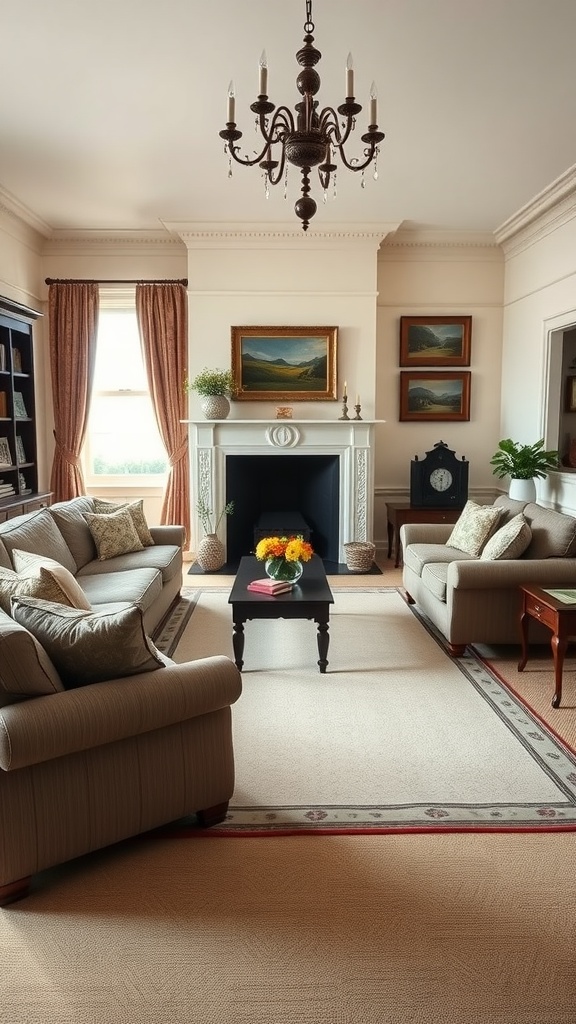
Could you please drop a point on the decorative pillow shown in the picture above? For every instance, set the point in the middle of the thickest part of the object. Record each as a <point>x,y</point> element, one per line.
<point>28,564</point>
<point>510,541</point>
<point>69,518</point>
<point>473,527</point>
<point>25,668</point>
<point>89,647</point>
<point>136,510</point>
<point>37,532</point>
<point>37,582</point>
<point>114,534</point>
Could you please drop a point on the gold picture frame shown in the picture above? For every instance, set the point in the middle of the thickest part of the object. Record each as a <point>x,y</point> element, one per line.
<point>287,364</point>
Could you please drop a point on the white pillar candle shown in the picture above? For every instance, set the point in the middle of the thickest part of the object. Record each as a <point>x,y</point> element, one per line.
<point>373,104</point>
<point>263,76</point>
<point>231,102</point>
<point>349,76</point>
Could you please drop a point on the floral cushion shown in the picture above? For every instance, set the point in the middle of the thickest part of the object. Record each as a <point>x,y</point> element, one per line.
<point>473,527</point>
<point>35,581</point>
<point>510,541</point>
<point>28,564</point>
<point>136,510</point>
<point>114,534</point>
<point>89,647</point>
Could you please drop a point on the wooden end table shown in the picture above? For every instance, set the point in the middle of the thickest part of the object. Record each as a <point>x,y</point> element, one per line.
<point>398,514</point>
<point>310,598</point>
<point>558,617</point>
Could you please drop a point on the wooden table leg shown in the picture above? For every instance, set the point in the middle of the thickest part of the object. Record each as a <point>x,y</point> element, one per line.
<point>390,529</point>
<point>238,643</point>
<point>323,642</point>
<point>559,645</point>
<point>524,621</point>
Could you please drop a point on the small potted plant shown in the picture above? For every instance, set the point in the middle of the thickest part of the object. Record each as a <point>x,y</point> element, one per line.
<point>523,463</point>
<point>214,388</point>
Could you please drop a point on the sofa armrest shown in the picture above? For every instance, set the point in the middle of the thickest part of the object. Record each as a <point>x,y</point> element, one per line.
<point>478,574</point>
<point>47,727</point>
<point>424,533</point>
<point>169,534</point>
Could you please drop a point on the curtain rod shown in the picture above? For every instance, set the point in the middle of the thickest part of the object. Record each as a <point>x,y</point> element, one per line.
<point>72,280</point>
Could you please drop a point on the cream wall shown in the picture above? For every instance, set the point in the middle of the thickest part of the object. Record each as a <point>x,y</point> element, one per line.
<point>539,246</point>
<point>421,275</point>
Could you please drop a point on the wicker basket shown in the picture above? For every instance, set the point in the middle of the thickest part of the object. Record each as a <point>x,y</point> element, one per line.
<point>359,555</point>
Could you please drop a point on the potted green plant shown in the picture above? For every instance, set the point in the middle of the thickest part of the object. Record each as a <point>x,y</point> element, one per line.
<point>214,387</point>
<point>523,463</point>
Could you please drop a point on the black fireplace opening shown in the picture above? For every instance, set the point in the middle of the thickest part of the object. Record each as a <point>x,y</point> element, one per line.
<point>283,488</point>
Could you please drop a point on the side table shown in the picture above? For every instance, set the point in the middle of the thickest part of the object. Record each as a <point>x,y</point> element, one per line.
<point>398,514</point>
<point>558,617</point>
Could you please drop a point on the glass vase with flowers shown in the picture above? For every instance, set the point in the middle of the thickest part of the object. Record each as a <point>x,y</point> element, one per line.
<point>283,556</point>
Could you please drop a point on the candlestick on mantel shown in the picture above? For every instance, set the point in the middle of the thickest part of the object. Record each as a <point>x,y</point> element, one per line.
<point>357,399</point>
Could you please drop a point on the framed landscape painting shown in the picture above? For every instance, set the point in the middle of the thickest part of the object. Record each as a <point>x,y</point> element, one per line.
<point>284,363</point>
<point>434,396</point>
<point>435,340</point>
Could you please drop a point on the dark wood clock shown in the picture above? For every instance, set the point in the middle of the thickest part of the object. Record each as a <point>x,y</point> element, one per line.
<point>439,480</point>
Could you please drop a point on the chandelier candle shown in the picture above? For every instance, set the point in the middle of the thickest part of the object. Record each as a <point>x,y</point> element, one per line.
<point>310,137</point>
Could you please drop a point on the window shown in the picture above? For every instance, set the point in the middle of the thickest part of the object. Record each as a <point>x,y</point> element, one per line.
<point>123,444</point>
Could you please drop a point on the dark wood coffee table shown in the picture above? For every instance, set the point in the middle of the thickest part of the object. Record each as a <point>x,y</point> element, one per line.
<point>310,598</point>
<point>559,617</point>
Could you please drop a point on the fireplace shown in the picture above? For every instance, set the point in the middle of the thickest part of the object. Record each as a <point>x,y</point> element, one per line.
<point>285,491</point>
<point>320,469</point>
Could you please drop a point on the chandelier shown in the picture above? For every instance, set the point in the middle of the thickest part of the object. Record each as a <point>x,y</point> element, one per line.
<point>311,138</point>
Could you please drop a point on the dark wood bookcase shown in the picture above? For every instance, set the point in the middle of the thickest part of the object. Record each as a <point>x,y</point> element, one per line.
<point>18,437</point>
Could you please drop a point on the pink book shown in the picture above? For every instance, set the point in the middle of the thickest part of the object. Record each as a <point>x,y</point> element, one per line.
<point>267,586</point>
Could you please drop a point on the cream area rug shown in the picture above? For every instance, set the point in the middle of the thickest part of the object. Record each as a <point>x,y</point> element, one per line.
<point>395,737</point>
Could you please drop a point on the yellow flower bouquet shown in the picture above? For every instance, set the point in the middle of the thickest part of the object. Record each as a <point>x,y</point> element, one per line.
<point>284,556</point>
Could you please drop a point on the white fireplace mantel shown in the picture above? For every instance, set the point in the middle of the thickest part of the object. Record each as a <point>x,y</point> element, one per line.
<point>211,441</point>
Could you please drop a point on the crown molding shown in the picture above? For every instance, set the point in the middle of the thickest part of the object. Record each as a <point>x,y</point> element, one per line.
<point>12,206</point>
<point>76,243</point>
<point>416,243</point>
<point>284,236</point>
<point>545,213</point>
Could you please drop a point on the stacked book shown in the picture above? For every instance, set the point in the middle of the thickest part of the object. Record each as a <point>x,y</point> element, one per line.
<point>6,489</point>
<point>268,586</point>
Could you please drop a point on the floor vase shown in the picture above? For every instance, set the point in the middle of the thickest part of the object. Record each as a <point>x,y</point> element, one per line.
<point>211,553</point>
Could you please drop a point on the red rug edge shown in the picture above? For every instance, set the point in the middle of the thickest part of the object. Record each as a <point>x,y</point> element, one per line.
<point>491,668</point>
<point>267,833</point>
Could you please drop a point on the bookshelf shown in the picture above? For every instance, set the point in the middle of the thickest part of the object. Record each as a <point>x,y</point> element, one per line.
<point>18,440</point>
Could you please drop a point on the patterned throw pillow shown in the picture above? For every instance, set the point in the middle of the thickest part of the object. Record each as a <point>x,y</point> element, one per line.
<point>136,510</point>
<point>114,534</point>
<point>510,541</point>
<point>89,647</point>
<point>25,668</point>
<point>473,527</point>
<point>38,582</point>
<point>28,564</point>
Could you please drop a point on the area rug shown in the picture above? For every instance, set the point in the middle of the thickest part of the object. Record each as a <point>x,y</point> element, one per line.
<point>395,737</point>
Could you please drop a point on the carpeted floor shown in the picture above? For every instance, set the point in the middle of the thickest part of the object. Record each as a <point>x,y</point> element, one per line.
<point>321,753</point>
<point>395,929</point>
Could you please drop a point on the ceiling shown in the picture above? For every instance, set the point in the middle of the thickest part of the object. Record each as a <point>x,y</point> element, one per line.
<point>110,111</point>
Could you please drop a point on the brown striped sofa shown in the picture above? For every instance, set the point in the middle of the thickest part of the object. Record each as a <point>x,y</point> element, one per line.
<point>472,600</point>
<point>87,764</point>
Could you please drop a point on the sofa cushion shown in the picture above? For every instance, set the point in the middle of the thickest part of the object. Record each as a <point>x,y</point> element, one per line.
<point>27,563</point>
<point>510,507</point>
<point>89,647</point>
<point>509,541</point>
<point>434,576</point>
<point>416,556</point>
<point>166,558</point>
<point>25,668</point>
<point>553,533</point>
<point>37,532</point>
<point>114,533</point>
<point>69,518</point>
<point>473,527</point>
<point>135,586</point>
<point>33,582</point>
<point>136,510</point>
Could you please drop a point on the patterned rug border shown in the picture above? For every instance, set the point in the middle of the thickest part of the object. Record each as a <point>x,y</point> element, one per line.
<point>553,755</point>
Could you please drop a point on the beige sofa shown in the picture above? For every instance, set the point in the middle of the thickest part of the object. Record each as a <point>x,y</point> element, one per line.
<point>102,738</point>
<point>473,600</point>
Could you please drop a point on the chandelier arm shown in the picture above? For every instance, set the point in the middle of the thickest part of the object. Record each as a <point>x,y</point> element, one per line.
<point>329,124</point>
<point>274,178</point>
<point>281,123</point>
<point>369,154</point>
<point>245,160</point>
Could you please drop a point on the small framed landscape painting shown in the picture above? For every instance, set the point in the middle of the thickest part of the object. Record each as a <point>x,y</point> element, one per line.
<point>434,396</point>
<point>294,364</point>
<point>435,340</point>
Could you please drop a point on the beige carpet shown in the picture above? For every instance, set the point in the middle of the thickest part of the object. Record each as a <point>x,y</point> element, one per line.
<point>377,742</point>
<point>395,929</point>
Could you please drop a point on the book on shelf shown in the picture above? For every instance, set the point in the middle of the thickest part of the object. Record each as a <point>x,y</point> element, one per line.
<point>6,490</point>
<point>566,595</point>
<point>271,587</point>
<point>2,357</point>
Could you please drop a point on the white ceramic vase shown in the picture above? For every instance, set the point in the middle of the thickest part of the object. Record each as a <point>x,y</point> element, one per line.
<point>215,407</point>
<point>211,553</point>
<point>522,490</point>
